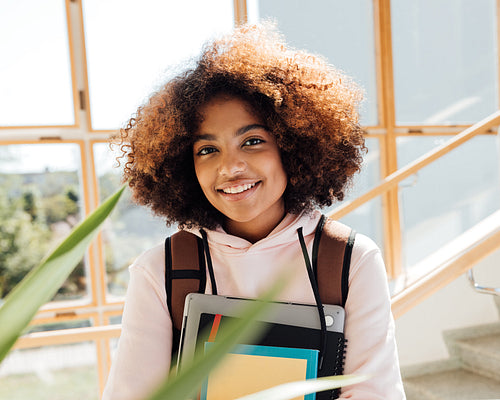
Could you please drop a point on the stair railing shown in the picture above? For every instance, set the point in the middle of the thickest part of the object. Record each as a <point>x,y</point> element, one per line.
<point>481,289</point>
<point>458,257</point>
<point>401,174</point>
<point>417,292</point>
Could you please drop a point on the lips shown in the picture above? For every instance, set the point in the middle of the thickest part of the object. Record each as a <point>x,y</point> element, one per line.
<point>238,190</point>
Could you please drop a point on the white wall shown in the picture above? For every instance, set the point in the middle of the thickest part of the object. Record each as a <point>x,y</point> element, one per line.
<point>419,331</point>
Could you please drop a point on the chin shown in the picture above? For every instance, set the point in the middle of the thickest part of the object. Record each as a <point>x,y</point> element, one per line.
<point>241,218</point>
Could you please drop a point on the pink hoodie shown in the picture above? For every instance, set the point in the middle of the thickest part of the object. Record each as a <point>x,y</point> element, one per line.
<point>244,269</point>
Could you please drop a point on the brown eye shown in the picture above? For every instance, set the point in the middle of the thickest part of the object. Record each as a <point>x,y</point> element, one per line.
<point>206,150</point>
<point>253,142</point>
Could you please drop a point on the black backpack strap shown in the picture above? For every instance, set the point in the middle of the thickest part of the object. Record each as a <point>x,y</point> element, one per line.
<point>331,259</point>
<point>347,265</point>
<point>185,272</point>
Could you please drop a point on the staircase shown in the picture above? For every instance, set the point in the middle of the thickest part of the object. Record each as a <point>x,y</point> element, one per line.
<point>472,372</point>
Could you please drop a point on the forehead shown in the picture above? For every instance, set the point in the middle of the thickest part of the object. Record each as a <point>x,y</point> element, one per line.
<point>225,109</point>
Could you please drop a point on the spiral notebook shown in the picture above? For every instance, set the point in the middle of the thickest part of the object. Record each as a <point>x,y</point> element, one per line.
<point>289,328</point>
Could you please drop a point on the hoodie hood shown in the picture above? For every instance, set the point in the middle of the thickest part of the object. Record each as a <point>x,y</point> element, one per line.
<point>284,233</point>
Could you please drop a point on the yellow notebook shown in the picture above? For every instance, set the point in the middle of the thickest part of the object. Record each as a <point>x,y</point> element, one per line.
<point>250,368</point>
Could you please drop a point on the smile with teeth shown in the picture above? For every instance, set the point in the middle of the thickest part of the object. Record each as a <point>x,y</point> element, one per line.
<point>239,188</point>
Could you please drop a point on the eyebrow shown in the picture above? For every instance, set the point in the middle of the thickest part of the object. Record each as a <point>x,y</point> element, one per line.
<point>239,132</point>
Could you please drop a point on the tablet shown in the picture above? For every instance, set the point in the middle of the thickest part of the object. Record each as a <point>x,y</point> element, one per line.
<point>287,326</point>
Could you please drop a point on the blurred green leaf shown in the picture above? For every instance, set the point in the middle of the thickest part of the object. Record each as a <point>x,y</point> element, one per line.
<point>41,283</point>
<point>292,390</point>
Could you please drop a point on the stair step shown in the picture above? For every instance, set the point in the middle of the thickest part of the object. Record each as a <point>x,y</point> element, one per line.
<point>456,384</point>
<point>480,354</point>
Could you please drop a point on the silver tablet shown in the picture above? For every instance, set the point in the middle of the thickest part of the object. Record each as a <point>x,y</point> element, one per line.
<point>290,324</point>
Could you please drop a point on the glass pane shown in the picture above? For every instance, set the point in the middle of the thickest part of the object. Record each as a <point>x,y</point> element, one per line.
<point>60,372</point>
<point>447,197</point>
<point>56,326</point>
<point>445,61</point>
<point>114,320</point>
<point>366,219</point>
<point>130,230</point>
<point>129,48</point>
<point>40,202</point>
<point>113,343</point>
<point>35,70</point>
<point>342,31</point>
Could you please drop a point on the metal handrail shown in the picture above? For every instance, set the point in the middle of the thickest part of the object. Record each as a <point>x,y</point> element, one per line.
<point>481,289</point>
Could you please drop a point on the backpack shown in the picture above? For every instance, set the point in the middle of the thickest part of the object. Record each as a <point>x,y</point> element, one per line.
<point>187,257</point>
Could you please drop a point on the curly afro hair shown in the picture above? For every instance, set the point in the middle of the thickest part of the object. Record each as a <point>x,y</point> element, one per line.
<point>309,106</point>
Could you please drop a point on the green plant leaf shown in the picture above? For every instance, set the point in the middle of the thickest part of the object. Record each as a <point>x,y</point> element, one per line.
<point>43,281</point>
<point>292,390</point>
<point>185,385</point>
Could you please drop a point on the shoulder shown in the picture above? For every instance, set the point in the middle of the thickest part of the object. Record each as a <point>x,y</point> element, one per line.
<point>364,246</point>
<point>151,256</point>
<point>151,263</point>
<point>367,263</point>
<point>366,258</point>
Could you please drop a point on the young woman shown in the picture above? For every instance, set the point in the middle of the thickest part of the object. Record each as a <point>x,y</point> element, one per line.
<point>246,145</point>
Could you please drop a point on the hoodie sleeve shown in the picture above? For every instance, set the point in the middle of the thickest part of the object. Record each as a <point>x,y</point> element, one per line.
<point>369,329</point>
<point>142,359</point>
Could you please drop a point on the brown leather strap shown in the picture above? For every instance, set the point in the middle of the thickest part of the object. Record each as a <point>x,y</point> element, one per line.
<point>186,257</point>
<point>330,261</point>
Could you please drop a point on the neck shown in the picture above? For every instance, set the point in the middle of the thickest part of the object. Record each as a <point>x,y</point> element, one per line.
<point>253,231</point>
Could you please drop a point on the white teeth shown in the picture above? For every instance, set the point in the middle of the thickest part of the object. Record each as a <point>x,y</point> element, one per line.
<point>239,188</point>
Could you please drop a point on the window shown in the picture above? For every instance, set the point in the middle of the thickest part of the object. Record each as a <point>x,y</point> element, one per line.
<point>40,202</point>
<point>130,229</point>
<point>341,31</point>
<point>445,61</point>
<point>35,72</point>
<point>130,49</point>
<point>72,73</point>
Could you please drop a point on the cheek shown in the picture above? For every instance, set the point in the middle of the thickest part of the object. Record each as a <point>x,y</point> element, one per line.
<point>281,177</point>
<point>283,180</point>
<point>198,170</point>
<point>277,175</point>
<point>204,177</point>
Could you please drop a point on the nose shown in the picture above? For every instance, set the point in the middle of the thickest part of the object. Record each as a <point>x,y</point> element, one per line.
<point>231,164</point>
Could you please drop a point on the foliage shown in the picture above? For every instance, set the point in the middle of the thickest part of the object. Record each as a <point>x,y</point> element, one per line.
<point>18,232</point>
<point>42,282</point>
<point>36,210</point>
<point>291,390</point>
<point>39,209</point>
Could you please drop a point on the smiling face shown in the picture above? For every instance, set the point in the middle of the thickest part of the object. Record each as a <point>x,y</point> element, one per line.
<point>239,168</point>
